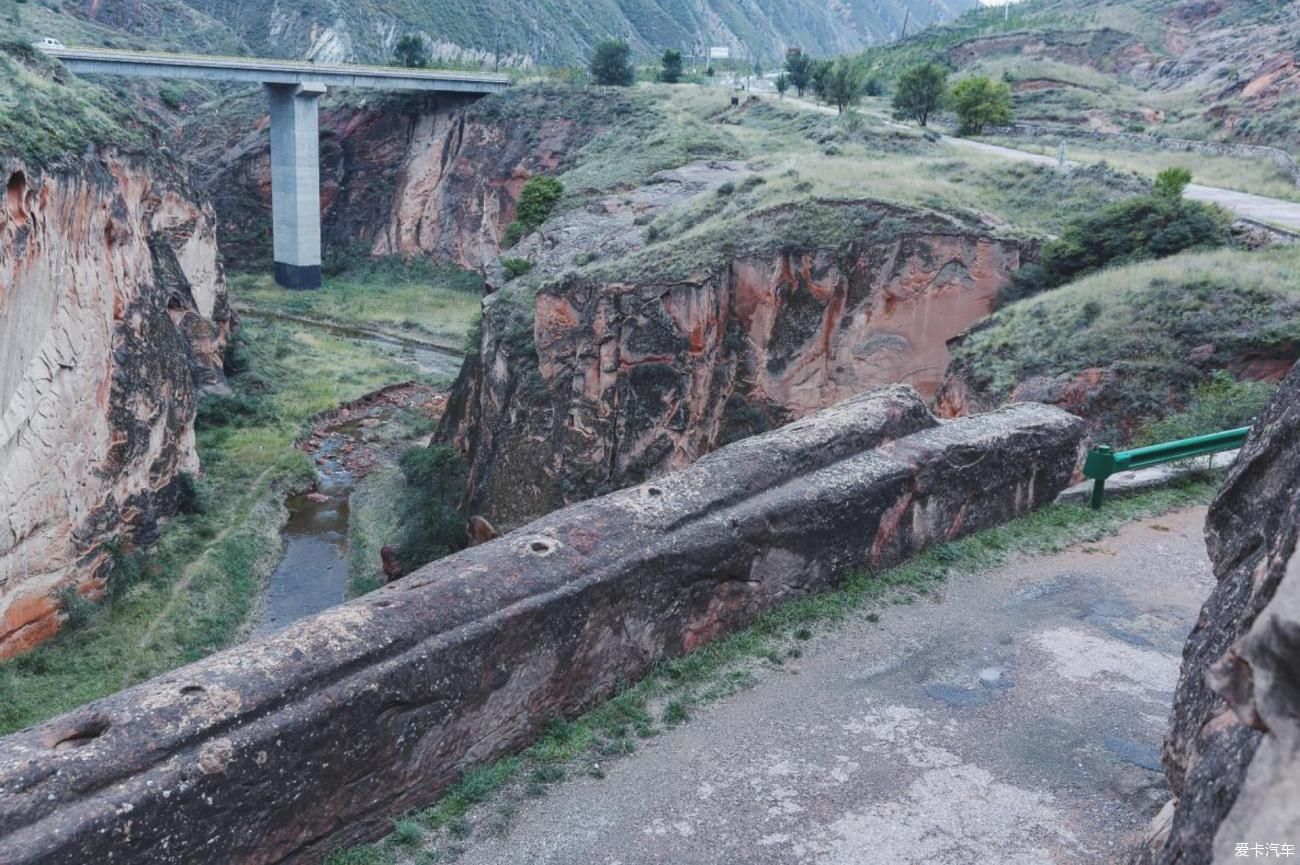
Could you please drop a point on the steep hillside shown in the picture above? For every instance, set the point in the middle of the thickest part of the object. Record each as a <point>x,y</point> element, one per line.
<point>1077,346</point>
<point>518,32</point>
<point>1192,68</point>
<point>113,317</point>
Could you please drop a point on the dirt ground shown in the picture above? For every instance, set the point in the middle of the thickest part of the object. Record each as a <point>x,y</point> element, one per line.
<point>1013,719</point>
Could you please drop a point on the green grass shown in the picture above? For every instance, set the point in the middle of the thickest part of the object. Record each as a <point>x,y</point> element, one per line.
<point>676,688</point>
<point>408,299</point>
<point>1142,322</point>
<point>193,595</point>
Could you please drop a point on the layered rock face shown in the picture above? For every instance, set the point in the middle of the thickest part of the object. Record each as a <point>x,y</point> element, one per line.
<point>313,737</point>
<point>113,315</point>
<point>596,384</point>
<point>1233,750</point>
<point>409,176</point>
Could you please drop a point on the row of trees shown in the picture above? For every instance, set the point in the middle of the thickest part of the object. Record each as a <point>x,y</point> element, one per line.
<point>978,101</point>
<point>840,82</point>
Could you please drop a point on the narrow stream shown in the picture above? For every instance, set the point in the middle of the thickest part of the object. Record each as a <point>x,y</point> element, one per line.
<point>313,574</point>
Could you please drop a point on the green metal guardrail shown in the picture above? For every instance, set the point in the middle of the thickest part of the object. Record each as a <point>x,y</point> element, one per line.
<point>1103,462</point>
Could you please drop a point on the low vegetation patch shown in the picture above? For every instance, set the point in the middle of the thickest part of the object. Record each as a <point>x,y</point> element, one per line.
<point>408,298</point>
<point>1150,332</point>
<point>488,796</point>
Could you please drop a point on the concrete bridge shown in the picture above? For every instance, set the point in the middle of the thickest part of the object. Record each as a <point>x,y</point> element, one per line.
<point>294,88</point>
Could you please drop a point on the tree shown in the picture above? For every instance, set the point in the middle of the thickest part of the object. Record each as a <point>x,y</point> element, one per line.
<point>782,84</point>
<point>1171,182</point>
<point>920,92</point>
<point>410,51</point>
<point>797,68</point>
<point>818,70</point>
<point>670,71</point>
<point>979,102</point>
<point>611,64</point>
<point>844,82</point>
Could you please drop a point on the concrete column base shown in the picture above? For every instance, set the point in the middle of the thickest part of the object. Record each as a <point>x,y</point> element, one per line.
<point>299,277</point>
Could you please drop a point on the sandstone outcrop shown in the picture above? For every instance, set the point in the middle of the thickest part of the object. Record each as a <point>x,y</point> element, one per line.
<point>1232,754</point>
<point>315,736</point>
<point>113,316</point>
<point>598,378</point>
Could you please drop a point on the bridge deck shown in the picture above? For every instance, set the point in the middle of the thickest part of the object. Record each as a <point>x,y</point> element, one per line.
<point>101,61</point>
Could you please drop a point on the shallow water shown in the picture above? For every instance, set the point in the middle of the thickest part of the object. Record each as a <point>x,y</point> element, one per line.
<point>313,575</point>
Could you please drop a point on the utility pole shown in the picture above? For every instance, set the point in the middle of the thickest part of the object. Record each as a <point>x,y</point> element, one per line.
<point>906,18</point>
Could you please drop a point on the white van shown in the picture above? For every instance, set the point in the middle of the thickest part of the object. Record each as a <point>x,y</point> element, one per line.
<point>48,43</point>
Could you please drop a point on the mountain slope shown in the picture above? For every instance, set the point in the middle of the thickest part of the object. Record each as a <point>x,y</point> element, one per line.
<point>1195,68</point>
<point>550,32</point>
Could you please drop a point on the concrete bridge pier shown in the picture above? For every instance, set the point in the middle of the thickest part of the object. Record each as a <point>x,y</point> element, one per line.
<point>295,182</point>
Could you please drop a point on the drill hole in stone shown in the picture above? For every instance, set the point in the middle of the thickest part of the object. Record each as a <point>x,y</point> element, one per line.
<point>654,491</point>
<point>540,547</point>
<point>82,735</point>
<point>384,603</point>
<point>193,690</point>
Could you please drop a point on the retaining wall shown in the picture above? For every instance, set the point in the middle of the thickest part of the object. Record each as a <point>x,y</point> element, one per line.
<point>282,748</point>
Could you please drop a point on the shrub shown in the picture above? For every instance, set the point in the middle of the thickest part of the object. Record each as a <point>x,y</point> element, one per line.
<point>920,92</point>
<point>516,267</point>
<point>1136,229</point>
<point>536,201</point>
<point>1172,181</point>
<point>411,52</point>
<point>670,70</point>
<point>513,234</point>
<point>1222,403</point>
<point>432,525</point>
<point>979,102</point>
<point>188,499</point>
<point>611,63</point>
<point>79,609</point>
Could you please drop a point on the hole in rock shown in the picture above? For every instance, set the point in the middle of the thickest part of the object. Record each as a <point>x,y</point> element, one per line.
<point>82,735</point>
<point>654,491</point>
<point>193,690</point>
<point>539,546</point>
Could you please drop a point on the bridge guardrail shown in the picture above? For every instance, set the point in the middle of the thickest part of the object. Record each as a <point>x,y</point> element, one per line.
<point>1102,461</point>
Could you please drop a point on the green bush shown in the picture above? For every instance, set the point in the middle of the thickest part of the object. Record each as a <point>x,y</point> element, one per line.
<point>1222,403</point>
<point>536,201</point>
<point>1172,181</point>
<point>1125,232</point>
<point>920,91</point>
<point>513,234</point>
<point>432,525</point>
<point>516,267</point>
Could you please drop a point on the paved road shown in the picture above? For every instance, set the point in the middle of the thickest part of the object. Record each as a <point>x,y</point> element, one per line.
<point>1017,721</point>
<point>1273,211</point>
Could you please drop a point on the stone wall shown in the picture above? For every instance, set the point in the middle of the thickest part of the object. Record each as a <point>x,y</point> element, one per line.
<point>290,745</point>
<point>1283,160</point>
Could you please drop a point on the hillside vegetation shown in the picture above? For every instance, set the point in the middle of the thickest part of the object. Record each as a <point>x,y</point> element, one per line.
<point>1186,69</point>
<point>1127,344</point>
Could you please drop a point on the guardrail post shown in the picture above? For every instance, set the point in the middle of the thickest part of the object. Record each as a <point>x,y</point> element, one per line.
<point>1099,466</point>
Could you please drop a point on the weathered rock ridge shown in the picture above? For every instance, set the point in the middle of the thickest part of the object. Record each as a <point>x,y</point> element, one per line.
<point>316,736</point>
<point>113,316</point>
<point>597,381</point>
<point>1232,754</point>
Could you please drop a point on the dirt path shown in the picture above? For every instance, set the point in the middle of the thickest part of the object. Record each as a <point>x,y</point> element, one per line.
<point>1016,720</point>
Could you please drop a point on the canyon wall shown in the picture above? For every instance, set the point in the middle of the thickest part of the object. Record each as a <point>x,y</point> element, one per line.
<point>591,383</point>
<point>113,316</point>
<point>1232,754</point>
<point>316,736</point>
<point>400,175</point>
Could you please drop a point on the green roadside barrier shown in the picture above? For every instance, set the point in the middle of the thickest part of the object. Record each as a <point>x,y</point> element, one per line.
<point>1103,462</point>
